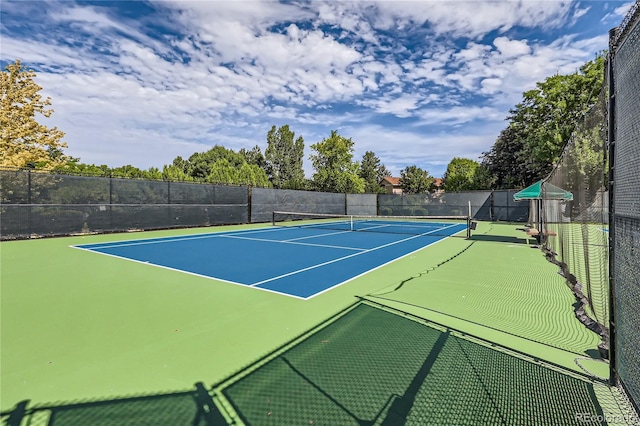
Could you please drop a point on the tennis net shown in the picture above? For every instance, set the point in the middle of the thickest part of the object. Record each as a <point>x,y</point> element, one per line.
<point>412,225</point>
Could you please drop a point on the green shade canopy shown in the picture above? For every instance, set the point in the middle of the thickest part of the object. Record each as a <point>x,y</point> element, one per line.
<point>542,190</point>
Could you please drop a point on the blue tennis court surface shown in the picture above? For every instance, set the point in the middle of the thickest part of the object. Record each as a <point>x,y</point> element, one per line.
<point>296,261</point>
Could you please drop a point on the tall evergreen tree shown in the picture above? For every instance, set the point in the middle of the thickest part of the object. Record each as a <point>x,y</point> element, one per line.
<point>283,158</point>
<point>372,171</point>
<point>254,156</point>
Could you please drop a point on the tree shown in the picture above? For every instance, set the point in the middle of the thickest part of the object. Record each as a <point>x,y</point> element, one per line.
<point>335,170</point>
<point>129,171</point>
<point>251,174</point>
<point>460,175</point>
<point>254,156</point>
<point>548,114</point>
<point>372,171</point>
<point>223,171</point>
<point>199,164</point>
<point>483,178</point>
<point>284,158</point>
<point>77,168</point>
<point>24,142</point>
<point>508,161</point>
<point>414,180</point>
<point>175,172</point>
<point>541,125</point>
<point>219,165</point>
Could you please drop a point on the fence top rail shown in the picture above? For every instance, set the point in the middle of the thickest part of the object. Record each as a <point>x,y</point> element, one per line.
<point>622,30</point>
<point>112,176</point>
<point>122,205</point>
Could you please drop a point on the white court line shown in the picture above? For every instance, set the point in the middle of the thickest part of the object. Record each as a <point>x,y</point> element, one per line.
<point>316,236</point>
<point>400,226</point>
<point>349,256</point>
<point>160,240</point>
<point>93,247</point>
<point>187,272</point>
<point>373,269</point>
<point>291,242</point>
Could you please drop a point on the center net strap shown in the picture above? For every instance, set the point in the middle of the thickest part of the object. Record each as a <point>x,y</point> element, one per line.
<point>412,225</point>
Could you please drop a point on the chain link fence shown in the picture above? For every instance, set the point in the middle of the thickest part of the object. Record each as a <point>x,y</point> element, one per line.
<point>625,205</point>
<point>576,231</point>
<point>40,204</point>
<point>34,204</point>
<point>264,201</point>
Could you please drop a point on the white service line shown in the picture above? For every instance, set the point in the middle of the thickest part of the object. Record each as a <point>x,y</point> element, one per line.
<point>398,226</point>
<point>187,272</point>
<point>317,236</point>
<point>160,240</point>
<point>292,242</point>
<point>348,256</point>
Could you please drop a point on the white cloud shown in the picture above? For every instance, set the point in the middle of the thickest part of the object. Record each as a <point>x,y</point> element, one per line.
<point>622,10</point>
<point>227,71</point>
<point>511,48</point>
<point>400,106</point>
<point>473,18</point>
<point>428,150</point>
<point>459,115</point>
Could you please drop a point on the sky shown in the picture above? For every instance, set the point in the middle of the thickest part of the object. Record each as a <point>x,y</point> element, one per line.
<point>416,82</point>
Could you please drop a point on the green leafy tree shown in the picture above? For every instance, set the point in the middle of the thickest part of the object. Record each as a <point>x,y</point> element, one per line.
<point>509,162</point>
<point>254,156</point>
<point>372,171</point>
<point>222,171</point>
<point>200,164</point>
<point>153,173</point>
<point>75,167</point>
<point>175,173</point>
<point>415,180</point>
<point>24,142</point>
<point>129,171</point>
<point>180,163</point>
<point>541,125</point>
<point>460,175</point>
<point>219,165</point>
<point>483,178</point>
<point>585,162</point>
<point>283,157</point>
<point>548,115</point>
<point>251,174</point>
<point>335,170</point>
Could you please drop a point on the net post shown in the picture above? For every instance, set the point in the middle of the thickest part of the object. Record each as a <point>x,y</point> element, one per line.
<point>469,222</point>
<point>273,218</point>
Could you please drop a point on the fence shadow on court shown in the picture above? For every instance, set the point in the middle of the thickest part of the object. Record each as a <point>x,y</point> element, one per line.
<point>367,365</point>
<point>194,408</point>
<point>372,366</point>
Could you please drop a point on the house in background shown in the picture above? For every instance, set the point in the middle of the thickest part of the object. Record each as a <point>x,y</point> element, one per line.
<point>391,185</point>
<point>438,186</point>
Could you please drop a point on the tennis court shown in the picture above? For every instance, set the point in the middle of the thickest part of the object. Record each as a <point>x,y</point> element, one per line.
<point>89,338</point>
<point>300,260</point>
